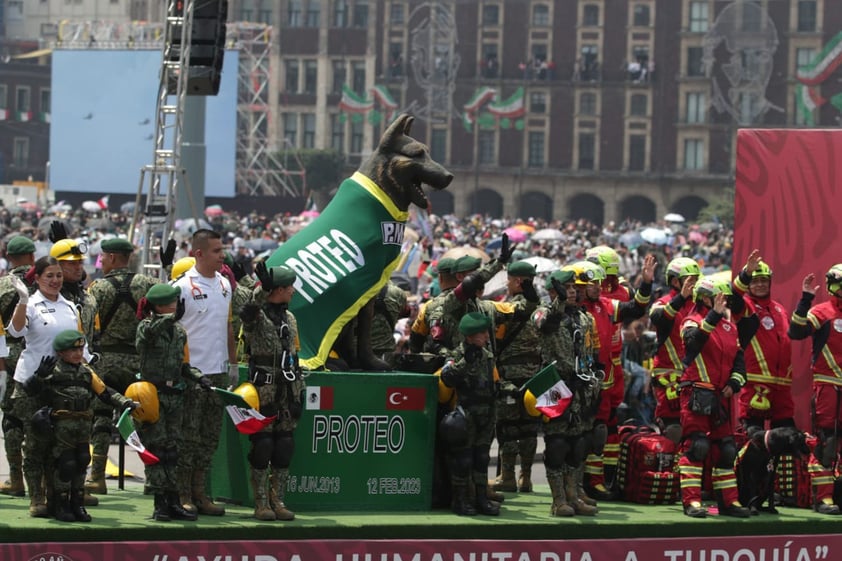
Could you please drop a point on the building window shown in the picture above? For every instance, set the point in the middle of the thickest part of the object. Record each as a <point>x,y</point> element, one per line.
<point>491,14</point>
<point>337,133</point>
<point>694,154</point>
<point>535,158</point>
<point>538,102</point>
<point>246,14</point>
<point>314,14</point>
<point>749,105</point>
<point>540,15</point>
<point>586,150</point>
<point>487,147</point>
<point>294,13</point>
<point>699,17</point>
<point>20,152</point>
<point>438,145</point>
<point>340,13</point>
<point>804,58</point>
<point>396,14</point>
<point>490,62</point>
<point>358,76</point>
<point>587,104</point>
<point>356,137</point>
<point>696,110</point>
<point>45,102</point>
<point>339,76</point>
<point>395,60</point>
<point>361,14</point>
<point>23,103</point>
<point>310,76</point>
<point>4,96</point>
<point>291,84</point>
<point>308,127</point>
<point>590,15</point>
<point>637,152</point>
<point>695,61</point>
<point>641,15</point>
<point>264,16</point>
<point>291,129</point>
<point>639,105</point>
<point>807,15</point>
<point>588,65</point>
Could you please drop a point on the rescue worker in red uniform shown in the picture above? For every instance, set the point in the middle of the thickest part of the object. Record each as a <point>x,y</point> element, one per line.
<point>609,314</point>
<point>714,373</point>
<point>666,315</point>
<point>823,322</point>
<point>767,349</point>
<point>607,258</point>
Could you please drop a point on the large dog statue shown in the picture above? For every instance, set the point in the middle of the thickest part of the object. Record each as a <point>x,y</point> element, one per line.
<point>347,254</point>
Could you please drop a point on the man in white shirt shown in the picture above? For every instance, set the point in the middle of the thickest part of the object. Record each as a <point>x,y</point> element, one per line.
<point>207,320</point>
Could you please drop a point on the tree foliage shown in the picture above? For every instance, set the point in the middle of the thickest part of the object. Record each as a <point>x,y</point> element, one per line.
<point>720,209</point>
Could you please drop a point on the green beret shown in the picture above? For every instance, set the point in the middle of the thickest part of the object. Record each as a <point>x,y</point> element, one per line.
<point>562,277</point>
<point>445,265</point>
<point>521,269</point>
<point>116,245</point>
<point>474,322</point>
<point>161,294</point>
<point>228,259</point>
<point>68,339</point>
<point>467,263</point>
<point>282,276</point>
<point>20,245</point>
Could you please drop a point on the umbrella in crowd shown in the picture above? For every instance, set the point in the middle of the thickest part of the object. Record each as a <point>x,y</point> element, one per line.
<point>631,240</point>
<point>188,226</point>
<point>309,214</point>
<point>60,207</point>
<point>127,207</point>
<point>516,235</point>
<point>261,244</point>
<point>214,210</point>
<point>655,236</point>
<point>542,264</point>
<point>457,252</point>
<point>496,243</point>
<point>547,234</point>
<point>674,217</point>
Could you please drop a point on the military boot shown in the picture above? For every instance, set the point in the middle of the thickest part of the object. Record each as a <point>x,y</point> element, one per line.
<point>77,505</point>
<point>571,490</point>
<point>88,499</point>
<point>177,510</point>
<point>203,503</point>
<point>560,506</point>
<point>506,481</point>
<point>826,506</point>
<point>37,498</point>
<point>277,491</point>
<point>262,511</point>
<point>61,507</point>
<point>483,505</point>
<point>96,481</point>
<point>524,482</point>
<point>461,504</point>
<point>161,510</point>
<point>527,448</point>
<point>185,499</point>
<point>580,488</point>
<point>14,486</point>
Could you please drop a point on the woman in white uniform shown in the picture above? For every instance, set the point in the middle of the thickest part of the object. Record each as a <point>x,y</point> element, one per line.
<point>38,319</point>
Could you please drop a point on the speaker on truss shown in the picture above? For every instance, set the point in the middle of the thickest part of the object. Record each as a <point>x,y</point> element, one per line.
<point>207,47</point>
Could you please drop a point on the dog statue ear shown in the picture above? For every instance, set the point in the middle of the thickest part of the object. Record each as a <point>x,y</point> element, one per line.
<point>398,128</point>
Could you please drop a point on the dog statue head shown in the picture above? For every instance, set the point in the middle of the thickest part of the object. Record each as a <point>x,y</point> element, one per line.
<point>401,165</point>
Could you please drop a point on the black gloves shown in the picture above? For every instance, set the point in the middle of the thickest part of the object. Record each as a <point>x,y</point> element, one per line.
<point>559,288</point>
<point>529,291</point>
<point>48,363</point>
<point>58,231</point>
<point>168,254</point>
<point>471,284</point>
<point>179,309</point>
<point>263,275</point>
<point>249,312</point>
<point>238,270</point>
<point>734,385</point>
<point>131,405</point>
<point>205,383</point>
<point>505,250</point>
<point>472,353</point>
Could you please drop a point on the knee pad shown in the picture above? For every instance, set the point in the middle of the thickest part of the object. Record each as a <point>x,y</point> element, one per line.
<point>699,447</point>
<point>599,438</point>
<point>581,447</point>
<point>66,465</point>
<point>481,457</point>
<point>556,449</point>
<point>83,456</point>
<point>284,446</point>
<point>11,423</point>
<point>261,450</point>
<point>727,453</point>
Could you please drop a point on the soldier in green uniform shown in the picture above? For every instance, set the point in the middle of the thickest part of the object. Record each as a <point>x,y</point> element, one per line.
<point>20,252</point>
<point>389,306</point>
<point>67,385</point>
<point>241,293</point>
<point>270,333</point>
<point>117,295</point>
<point>421,338</point>
<point>471,372</point>
<point>164,362</point>
<point>567,338</point>
<point>518,359</point>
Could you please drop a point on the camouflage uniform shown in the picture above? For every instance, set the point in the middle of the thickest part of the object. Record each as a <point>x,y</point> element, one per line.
<point>271,341</point>
<point>69,391</point>
<point>12,425</point>
<point>240,297</point>
<point>568,336</point>
<point>116,295</point>
<point>388,306</point>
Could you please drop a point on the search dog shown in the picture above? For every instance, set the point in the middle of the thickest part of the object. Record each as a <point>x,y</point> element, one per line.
<point>756,462</point>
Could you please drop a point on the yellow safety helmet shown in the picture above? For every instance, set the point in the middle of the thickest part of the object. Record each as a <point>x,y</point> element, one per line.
<point>146,394</point>
<point>529,402</point>
<point>248,392</point>
<point>68,250</point>
<point>182,266</point>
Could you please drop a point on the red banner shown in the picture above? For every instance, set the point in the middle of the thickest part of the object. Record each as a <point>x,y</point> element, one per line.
<point>742,548</point>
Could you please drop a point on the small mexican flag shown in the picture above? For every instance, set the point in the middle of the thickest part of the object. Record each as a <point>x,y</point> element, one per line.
<point>246,420</point>
<point>127,430</point>
<point>546,393</point>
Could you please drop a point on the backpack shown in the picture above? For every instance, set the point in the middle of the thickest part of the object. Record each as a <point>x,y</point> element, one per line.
<point>792,479</point>
<point>646,468</point>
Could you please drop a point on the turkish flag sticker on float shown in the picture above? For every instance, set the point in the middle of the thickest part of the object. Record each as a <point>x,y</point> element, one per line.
<point>319,397</point>
<point>406,399</point>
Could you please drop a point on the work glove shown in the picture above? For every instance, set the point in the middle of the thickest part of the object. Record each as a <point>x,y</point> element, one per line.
<point>505,250</point>
<point>131,405</point>
<point>238,270</point>
<point>45,368</point>
<point>263,275</point>
<point>249,312</point>
<point>234,375</point>
<point>529,291</point>
<point>20,288</point>
<point>167,254</point>
<point>4,381</point>
<point>205,383</point>
<point>179,309</point>
<point>58,231</point>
